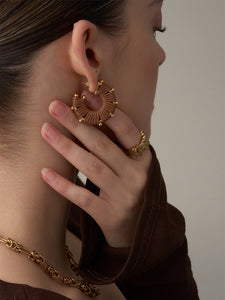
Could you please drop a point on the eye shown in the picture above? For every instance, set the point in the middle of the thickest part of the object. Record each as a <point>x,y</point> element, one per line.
<point>155,29</point>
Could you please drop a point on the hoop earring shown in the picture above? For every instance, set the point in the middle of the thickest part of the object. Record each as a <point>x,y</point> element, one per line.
<point>96,117</point>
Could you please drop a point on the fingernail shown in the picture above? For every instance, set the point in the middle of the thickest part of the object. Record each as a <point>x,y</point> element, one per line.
<point>48,174</point>
<point>58,109</point>
<point>50,131</point>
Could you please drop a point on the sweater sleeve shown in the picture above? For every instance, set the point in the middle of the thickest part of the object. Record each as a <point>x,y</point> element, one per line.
<point>156,266</point>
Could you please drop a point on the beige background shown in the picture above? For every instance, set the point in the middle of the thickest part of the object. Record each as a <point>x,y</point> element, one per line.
<point>188,131</point>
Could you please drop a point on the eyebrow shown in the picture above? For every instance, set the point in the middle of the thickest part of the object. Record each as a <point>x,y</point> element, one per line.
<point>154,2</point>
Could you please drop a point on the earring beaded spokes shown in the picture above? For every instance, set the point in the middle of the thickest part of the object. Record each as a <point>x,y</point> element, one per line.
<point>96,117</point>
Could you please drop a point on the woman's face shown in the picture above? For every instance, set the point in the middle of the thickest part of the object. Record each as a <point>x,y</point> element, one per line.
<point>138,55</point>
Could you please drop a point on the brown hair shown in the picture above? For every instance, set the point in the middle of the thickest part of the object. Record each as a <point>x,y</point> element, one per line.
<point>25,27</point>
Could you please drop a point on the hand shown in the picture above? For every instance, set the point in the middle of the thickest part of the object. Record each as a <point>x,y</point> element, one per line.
<point>120,178</point>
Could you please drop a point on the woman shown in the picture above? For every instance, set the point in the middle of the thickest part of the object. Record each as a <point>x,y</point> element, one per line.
<point>133,241</point>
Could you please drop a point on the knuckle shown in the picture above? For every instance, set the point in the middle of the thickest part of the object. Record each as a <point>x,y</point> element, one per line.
<point>131,201</point>
<point>100,146</point>
<point>86,200</point>
<point>95,166</point>
<point>133,191</point>
<point>141,181</point>
<point>138,178</point>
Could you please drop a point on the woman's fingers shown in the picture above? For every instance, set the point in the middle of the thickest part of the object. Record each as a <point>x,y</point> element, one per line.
<point>84,161</point>
<point>121,179</point>
<point>92,138</point>
<point>126,132</point>
<point>97,142</point>
<point>80,196</point>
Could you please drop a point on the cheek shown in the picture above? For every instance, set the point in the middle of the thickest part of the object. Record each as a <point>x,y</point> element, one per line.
<point>143,73</point>
<point>135,78</point>
<point>148,65</point>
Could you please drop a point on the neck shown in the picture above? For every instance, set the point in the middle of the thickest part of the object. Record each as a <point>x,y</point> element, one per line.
<point>32,213</point>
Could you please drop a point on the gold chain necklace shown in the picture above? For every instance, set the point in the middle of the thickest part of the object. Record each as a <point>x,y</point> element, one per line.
<point>83,285</point>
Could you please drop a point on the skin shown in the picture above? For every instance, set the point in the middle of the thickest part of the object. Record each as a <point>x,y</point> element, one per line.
<point>39,203</point>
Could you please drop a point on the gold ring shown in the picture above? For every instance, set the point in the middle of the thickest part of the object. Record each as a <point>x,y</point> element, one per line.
<point>137,150</point>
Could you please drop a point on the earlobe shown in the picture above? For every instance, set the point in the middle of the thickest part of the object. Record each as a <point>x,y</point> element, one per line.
<point>82,52</point>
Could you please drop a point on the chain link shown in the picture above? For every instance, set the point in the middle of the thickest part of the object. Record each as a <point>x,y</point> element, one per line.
<point>83,285</point>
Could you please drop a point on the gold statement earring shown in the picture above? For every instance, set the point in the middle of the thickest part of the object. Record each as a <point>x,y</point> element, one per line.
<point>105,112</point>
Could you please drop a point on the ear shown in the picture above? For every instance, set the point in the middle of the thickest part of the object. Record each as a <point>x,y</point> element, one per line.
<point>86,51</point>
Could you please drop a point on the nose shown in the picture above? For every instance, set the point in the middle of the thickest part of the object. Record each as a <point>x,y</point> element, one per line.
<point>162,56</point>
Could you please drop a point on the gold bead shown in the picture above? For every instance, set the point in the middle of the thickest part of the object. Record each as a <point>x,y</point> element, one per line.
<point>73,108</point>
